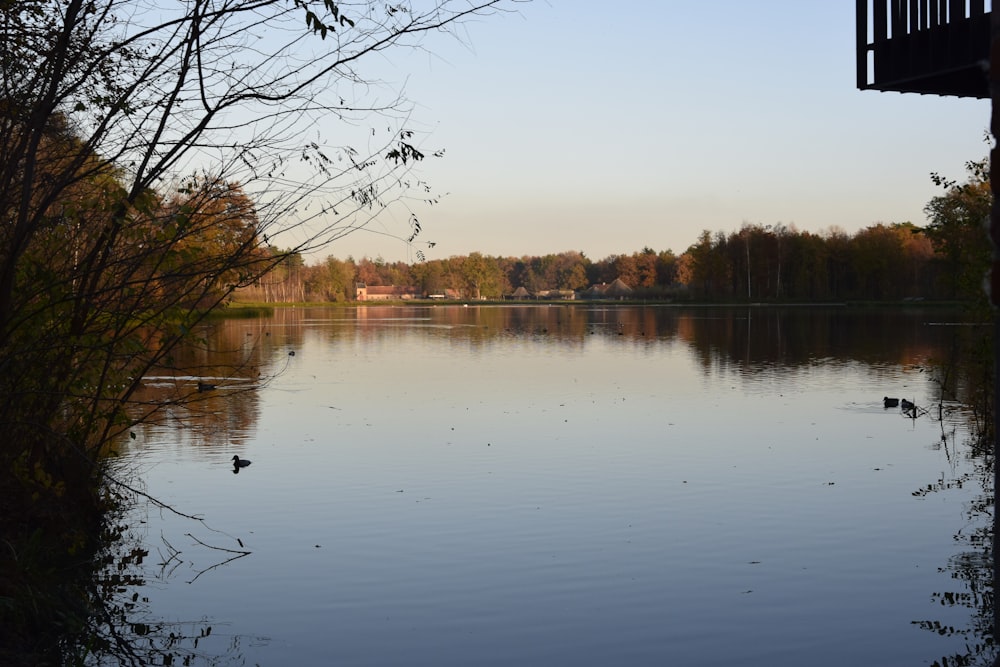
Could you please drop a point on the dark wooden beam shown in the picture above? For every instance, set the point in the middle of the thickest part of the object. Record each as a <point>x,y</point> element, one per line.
<point>932,47</point>
<point>994,286</point>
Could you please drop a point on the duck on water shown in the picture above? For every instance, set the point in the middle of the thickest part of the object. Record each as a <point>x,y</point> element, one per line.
<point>240,463</point>
<point>895,402</point>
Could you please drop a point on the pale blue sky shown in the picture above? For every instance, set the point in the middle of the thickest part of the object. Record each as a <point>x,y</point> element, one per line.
<point>581,125</point>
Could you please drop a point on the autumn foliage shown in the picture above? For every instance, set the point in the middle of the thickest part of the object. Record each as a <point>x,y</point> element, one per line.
<point>758,263</point>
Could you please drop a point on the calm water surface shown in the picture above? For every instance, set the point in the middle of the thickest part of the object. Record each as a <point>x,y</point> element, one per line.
<point>563,485</point>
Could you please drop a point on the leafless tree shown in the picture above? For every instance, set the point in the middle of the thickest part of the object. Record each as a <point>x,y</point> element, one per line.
<point>152,155</point>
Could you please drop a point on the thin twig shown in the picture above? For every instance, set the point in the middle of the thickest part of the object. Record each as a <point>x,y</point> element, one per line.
<point>228,560</point>
<point>155,501</point>
<point>232,551</point>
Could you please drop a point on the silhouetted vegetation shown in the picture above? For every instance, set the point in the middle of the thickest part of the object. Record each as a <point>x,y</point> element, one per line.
<point>965,378</point>
<point>149,153</point>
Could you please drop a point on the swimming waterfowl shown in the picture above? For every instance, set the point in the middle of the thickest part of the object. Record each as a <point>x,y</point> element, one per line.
<point>240,463</point>
<point>204,386</point>
<point>890,402</point>
<point>907,405</point>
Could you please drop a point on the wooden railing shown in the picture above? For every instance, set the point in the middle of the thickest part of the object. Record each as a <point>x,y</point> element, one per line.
<point>926,46</point>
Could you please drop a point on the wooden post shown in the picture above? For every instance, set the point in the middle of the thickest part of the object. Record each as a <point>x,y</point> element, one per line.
<point>994,286</point>
<point>861,42</point>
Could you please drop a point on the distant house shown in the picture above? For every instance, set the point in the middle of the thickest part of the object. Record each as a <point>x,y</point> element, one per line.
<point>363,292</point>
<point>450,294</point>
<point>618,290</point>
<point>520,294</point>
<point>614,290</point>
<point>553,294</point>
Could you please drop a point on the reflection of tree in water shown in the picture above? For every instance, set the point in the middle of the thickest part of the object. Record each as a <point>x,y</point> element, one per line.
<point>748,338</point>
<point>104,606</point>
<point>954,360</point>
<point>107,606</point>
<point>241,354</point>
<point>970,568</point>
<point>207,391</point>
<point>206,395</point>
<point>964,382</point>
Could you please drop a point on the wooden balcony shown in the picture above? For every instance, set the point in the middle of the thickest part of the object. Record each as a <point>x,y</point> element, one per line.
<point>935,47</point>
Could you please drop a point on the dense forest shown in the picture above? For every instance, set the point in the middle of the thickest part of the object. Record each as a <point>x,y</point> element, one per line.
<point>943,260</point>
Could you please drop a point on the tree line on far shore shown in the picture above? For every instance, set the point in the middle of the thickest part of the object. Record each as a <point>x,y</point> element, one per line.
<point>945,259</point>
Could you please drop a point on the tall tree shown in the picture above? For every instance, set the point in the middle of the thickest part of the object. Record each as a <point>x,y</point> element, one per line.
<point>955,223</point>
<point>571,271</point>
<point>666,268</point>
<point>151,153</point>
<point>105,104</point>
<point>482,277</point>
<point>333,280</point>
<point>878,262</point>
<point>429,276</point>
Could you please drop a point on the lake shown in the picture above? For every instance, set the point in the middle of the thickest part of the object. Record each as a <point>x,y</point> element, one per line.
<point>562,485</point>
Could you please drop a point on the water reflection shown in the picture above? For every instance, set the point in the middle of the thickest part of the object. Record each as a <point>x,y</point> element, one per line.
<point>208,390</point>
<point>745,358</point>
<point>786,335</point>
<point>967,605</point>
<point>124,629</point>
<point>209,394</point>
